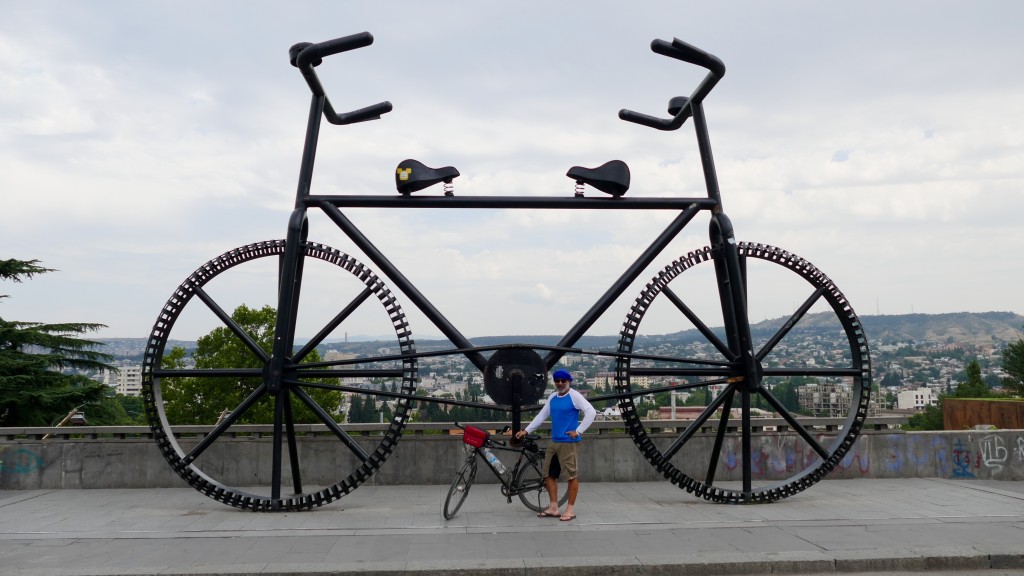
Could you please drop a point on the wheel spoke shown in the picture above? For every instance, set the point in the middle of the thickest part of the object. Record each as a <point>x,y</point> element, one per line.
<point>794,423</point>
<point>699,324</point>
<point>208,373</point>
<point>224,424</point>
<point>334,323</point>
<point>723,426</point>
<point>823,372</point>
<point>275,471</point>
<point>331,424</point>
<point>745,442</point>
<point>789,324</point>
<point>366,373</point>
<point>699,422</point>
<point>293,449</point>
<point>681,372</point>
<point>232,325</point>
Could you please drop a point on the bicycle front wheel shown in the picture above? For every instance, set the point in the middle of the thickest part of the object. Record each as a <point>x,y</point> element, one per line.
<point>532,488</point>
<point>812,358</point>
<point>460,488</point>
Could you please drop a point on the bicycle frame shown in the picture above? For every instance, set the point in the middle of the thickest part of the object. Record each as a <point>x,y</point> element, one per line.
<point>727,263</point>
<point>509,487</point>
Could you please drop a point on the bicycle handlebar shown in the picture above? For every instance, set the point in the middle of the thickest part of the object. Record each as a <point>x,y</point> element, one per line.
<point>305,56</point>
<point>313,54</point>
<point>687,53</point>
<point>491,440</point>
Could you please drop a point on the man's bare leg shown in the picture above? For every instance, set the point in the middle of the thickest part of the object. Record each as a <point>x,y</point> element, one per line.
<point>570,509</point>
<point>552,486</point>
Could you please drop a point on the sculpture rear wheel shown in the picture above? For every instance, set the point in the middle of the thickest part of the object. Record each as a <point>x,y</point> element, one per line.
<point>818,340</point>
<point>309,459</point>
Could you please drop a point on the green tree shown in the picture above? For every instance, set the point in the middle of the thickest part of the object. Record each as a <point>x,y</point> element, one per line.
<point>928,419</point>
<point>34,389</point>
<point>107,411</point>
<point>202,400</point>
<point>1013,365</point>
<point>891,379</point>
<point>785,392</point>
<point>363,409</point>
<point>973,386</point>
<point>699,397</point>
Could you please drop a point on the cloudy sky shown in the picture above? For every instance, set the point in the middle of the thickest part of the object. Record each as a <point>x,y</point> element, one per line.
<point>882,141</point>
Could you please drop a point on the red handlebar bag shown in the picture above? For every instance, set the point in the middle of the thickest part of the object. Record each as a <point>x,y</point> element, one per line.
<point>475,437</point>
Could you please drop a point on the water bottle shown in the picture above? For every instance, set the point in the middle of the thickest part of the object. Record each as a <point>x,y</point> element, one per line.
<point>494,460</point>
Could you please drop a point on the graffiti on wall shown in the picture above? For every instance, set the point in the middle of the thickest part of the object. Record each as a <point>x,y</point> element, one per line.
<point>961,460</point>
<point>19,460</point>
<point>993,453</point>
<point>968,455</point>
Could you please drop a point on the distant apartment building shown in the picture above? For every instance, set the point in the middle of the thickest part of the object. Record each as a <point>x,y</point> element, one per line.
<point>830,400</point>
<point>608,378</point>
<point>916,399</point>
<point>127,380</point>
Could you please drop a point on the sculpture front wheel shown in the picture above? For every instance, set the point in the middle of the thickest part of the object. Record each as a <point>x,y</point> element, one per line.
<point>305,459</point>
<point>810,354</point>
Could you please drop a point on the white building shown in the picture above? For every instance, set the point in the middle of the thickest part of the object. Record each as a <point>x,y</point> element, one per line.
<point>916,399</point>
<point>129,380</point>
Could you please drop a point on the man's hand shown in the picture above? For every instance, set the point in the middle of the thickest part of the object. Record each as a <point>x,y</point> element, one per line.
<point>573,434</point>
<point>520,434</point>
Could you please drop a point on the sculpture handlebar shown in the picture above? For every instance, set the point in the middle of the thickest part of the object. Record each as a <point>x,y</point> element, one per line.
<point>312,54</point>
<point>305,56</point>
<point>687,53</point>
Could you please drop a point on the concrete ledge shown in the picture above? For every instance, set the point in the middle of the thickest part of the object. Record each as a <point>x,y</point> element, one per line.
<point>429,459</point>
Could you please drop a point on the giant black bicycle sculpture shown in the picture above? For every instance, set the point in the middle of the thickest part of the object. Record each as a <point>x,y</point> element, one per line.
<point>737,366</point>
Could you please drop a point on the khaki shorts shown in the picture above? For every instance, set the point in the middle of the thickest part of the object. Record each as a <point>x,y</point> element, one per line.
<point>566,453</point>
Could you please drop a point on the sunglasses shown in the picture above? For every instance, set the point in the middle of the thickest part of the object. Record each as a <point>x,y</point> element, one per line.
<point>560,381</point>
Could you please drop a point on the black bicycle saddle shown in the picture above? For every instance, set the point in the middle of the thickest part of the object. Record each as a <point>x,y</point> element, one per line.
<point>611,177</point>
<point>412,175</point>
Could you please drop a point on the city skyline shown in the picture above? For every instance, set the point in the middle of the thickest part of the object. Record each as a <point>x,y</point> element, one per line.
<point>883,144</point>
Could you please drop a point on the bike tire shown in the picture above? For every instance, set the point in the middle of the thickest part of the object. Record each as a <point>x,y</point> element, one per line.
<point>533,492</point>
<point>459,489</point>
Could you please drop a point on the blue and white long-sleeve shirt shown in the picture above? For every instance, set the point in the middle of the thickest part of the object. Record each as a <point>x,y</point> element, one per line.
<point>565,416</point>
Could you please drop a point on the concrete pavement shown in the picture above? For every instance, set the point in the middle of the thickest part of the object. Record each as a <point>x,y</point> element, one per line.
<point>836,526</point>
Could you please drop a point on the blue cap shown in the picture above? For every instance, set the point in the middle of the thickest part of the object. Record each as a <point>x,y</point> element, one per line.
<point>562,374</point>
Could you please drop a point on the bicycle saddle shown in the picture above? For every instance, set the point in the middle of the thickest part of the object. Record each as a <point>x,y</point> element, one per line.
<point>412,175</point>
<point>611,177</point>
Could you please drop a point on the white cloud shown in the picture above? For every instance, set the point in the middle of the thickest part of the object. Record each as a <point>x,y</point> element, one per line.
<point>883,144</point>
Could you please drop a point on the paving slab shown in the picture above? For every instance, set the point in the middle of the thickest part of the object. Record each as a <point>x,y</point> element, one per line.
<point>641,529</point>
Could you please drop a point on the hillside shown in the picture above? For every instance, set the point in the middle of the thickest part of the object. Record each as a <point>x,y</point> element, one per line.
<point>962,327</point>
<point>998,328</point>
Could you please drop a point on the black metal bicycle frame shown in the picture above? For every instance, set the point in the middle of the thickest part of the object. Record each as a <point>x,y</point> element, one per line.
<point>509,487</point>
<point>729,268</point>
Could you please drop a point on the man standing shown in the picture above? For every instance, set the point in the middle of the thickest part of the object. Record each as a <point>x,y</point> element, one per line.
<point>564,407</point>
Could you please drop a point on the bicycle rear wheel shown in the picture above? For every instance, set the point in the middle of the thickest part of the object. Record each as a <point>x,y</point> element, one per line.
<point>532,488</point>
<point>459,490</point>
<point>212,422</point>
